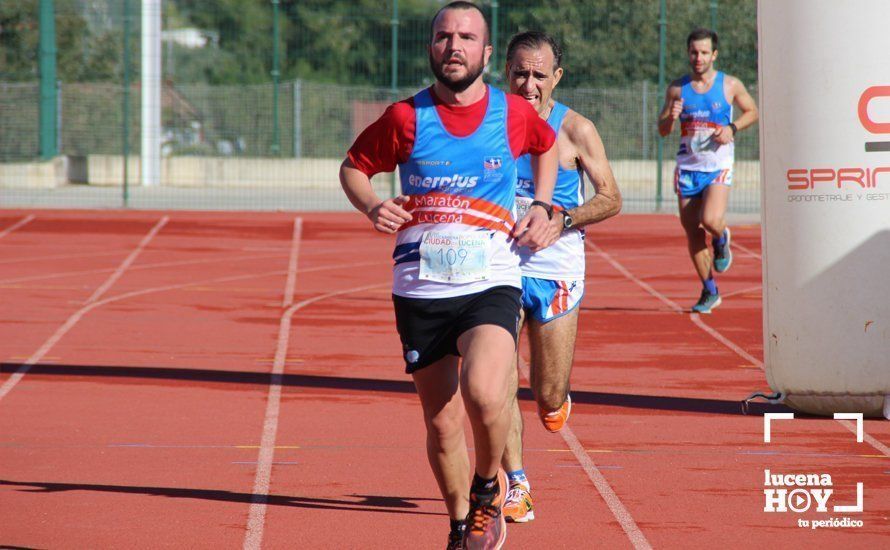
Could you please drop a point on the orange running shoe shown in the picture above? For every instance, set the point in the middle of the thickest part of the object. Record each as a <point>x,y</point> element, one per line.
<point>486,528</point>
<point>518,507</point>
<point>554,421</point>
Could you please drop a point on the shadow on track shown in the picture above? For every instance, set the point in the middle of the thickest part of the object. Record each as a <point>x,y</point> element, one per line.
<point>261,380</point>
<point>361,503</point>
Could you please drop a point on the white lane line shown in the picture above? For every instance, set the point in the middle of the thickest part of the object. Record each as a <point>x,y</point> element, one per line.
<point>62,256</point>
<point>639,282</point>
<point>229,279</point>
<point>154,266</point>
<point>624,517</point>
<point>157,265</point>
<point>205,282</point>
<point>128,261</point>
<point>135,293</point>
<point>257,517</point>
<point>76,316</point>
<point>696,319</point>
<point>16,225</point>
<point>746,250</point>
<point>255,524</point>
<point>743,291</point>
<point>291,284</point>
<point>867,438</point>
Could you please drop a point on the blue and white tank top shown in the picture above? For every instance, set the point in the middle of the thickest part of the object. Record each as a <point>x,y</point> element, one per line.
<point>564,259</point>
<point>702,115</point>
<point>461,191</point>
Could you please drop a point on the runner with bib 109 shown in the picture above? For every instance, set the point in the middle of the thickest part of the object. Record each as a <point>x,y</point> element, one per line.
<point>456,280</point>
<point>702,101</point>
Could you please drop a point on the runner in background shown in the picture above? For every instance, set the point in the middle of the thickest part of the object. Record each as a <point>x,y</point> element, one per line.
<point>702,101</point>
<point>553,279</point>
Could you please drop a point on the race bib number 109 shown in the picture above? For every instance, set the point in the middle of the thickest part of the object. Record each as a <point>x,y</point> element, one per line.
<point>455,257</point>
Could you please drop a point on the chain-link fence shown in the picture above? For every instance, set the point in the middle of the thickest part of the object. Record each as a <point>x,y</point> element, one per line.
<point>233,137</point>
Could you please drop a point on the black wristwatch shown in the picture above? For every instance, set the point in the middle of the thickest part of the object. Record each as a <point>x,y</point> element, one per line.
<point>547,208</point>
<point>733,127</point>
<point>567,221</point>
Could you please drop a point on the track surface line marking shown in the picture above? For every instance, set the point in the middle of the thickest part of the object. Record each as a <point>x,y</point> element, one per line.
<point>76,316</point>
<point>624,517</point>
<point>256,520</point>
<point>168,264</point>
<point>61,274</point>
<point>88,308</point>
<point>180,286</point>
<point>61,256</point>
<point>16,225</point>
<point>290,285</point>
<point>639,282</point>
<point>743,291</point>
<point>696,319</point>
<point>867,438</point>
<point>253,538</point>
<point>255,525</point>
<point>128,261</point>
<point>747,250</point>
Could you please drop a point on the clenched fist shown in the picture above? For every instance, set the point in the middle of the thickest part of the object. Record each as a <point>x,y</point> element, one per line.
<point>676,108</point>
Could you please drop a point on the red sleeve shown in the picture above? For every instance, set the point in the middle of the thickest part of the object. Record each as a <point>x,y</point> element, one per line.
<point>387,141</point>
<point>528,132</point>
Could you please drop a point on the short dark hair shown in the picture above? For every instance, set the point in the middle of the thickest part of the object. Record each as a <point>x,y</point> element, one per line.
<point>700,34</point>
<point>534,40</point>
<point>462,5</point>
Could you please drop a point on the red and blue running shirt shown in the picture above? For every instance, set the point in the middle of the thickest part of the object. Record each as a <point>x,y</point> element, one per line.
<point>458,166</point>
<point>702,114</point>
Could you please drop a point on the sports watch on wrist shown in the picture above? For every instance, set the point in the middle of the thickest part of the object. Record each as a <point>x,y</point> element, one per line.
<point>567,221</point>
<point>547,208</point>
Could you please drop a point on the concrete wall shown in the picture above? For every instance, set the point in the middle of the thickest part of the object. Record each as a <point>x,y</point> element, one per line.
<point>35,175</point>
<point>221,171</point>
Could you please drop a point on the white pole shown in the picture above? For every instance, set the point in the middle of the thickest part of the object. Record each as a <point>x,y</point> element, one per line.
<point>825,171</point>
<point>151,92</point>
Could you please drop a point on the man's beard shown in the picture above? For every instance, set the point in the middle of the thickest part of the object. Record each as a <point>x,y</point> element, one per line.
<point>456,86</point>
<point>703,70</point>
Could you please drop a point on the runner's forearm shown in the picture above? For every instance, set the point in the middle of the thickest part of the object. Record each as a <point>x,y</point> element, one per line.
<point>358,189</point>
<point>665,125</point>
<point>747,119</point>
<point>602,206</point>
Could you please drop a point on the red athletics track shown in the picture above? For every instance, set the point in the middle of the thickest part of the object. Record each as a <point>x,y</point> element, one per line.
<point>234,380</point>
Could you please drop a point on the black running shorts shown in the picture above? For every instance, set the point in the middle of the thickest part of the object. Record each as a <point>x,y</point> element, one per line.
<point>429,328</point>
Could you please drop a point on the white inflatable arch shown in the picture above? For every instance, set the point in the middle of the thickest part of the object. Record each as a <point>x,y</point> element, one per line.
<point>825,172</point>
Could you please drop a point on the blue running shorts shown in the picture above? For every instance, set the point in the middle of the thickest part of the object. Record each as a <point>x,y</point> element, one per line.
<point>546,300</point>
<point>690,183</point>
